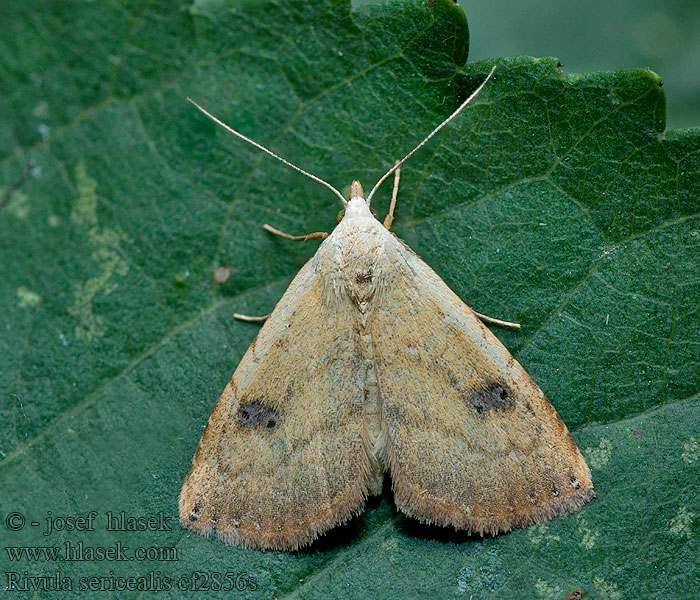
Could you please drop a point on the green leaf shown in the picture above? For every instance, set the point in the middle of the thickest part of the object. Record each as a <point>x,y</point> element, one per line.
<point>554,200</point>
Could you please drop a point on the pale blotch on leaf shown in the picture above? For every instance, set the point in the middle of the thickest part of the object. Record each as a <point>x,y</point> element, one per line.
<point>26,298</point>
<point>599,456</point>
<point>682,524</point>
<point>84,210</point>
<point>541,534</point>
<point>106,253</point>
<point>18,205</point>
<point>486,574</point>
<point>588,537</point>
<point>41,110</point>
<point>607,590</point>
<point>547,591</point>
<point>54,221</point>
<point>390,544</point>
<point>691,451</point>
<point>481,579</point>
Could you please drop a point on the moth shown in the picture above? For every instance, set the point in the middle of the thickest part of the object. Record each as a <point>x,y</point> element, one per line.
<point>370,364</point>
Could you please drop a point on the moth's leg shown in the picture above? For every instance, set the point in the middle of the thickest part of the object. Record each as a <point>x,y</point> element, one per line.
<point>295,238</point>
<point>390,217</point>
<point>492,321</point>
<point>317,235</point>
<point>248,319</point>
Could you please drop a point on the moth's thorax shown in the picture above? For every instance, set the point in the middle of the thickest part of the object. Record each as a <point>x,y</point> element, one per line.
<point>357,208</point>
<point>356,259</point>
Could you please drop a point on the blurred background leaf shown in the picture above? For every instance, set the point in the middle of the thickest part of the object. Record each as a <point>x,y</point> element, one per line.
<point>597,36</point>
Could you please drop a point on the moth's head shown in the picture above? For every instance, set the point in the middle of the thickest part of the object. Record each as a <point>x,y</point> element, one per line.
<point>356,191</point>
<point>357,205</point>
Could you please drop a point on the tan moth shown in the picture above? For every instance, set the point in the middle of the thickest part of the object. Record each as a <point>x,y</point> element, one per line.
<point>369,364</point>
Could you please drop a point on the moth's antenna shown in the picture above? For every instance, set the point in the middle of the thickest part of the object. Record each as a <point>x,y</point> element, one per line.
<point>260,147</point>
<point>431,134</point>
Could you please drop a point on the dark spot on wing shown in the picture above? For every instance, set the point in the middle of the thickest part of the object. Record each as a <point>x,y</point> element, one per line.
<point>492,397</point>
<point>485,397</point>
<point>365,277</point>
<point>257,415</point>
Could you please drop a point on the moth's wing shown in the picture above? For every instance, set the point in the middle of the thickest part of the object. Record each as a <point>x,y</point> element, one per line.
<point>470,440</point>
<point>283,457</point>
